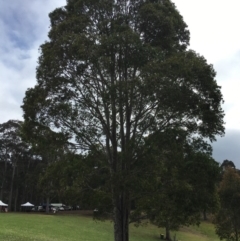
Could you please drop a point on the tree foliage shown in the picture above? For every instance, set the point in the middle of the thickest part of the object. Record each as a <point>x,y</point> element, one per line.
<point>80,180</point>
<point>16,163</point>
<point>113,72</point>
<point>24,159</point>
<point>50,147</point>
<point>226,164</point>
<point>227,220</point>
<point>180,180</point>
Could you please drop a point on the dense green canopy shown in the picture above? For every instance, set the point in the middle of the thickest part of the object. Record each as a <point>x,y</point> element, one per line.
<point>111,73</point>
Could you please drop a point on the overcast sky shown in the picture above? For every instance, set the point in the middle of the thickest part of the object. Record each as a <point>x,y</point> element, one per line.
<point>214,28</point>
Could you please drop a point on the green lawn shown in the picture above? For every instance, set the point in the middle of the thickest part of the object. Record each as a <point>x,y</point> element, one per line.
<point>41,227</point>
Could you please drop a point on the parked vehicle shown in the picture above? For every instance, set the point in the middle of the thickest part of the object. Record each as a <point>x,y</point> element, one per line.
<point>54,209</point>
<point>68,208</point>
<point>41,209</point>
<point>34,208</point>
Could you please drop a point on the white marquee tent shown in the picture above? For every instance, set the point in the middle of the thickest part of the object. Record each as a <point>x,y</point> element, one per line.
<point>3,204</point>
<point>27,204</point>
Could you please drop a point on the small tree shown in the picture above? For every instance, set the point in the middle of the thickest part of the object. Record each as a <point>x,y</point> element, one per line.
<point>227,220</point>
<point>182,178</point>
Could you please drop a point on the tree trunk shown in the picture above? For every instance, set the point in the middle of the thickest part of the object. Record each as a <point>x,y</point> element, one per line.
<point>174,237</point>
<point>236,232</point>
<point>121,218</point>
<point>204,215</point>
<point>3,179</point>
<point>168,235</point>
<point>1,191</point>
<point>11,190</point>
<point>15,201</point>
<point>47,205</point>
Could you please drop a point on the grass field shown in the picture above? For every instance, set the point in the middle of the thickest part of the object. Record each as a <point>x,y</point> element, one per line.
<point>59,227</point>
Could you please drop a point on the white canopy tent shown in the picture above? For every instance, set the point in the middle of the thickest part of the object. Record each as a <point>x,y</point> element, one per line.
<point>27,204</point>
<point>3,204</point>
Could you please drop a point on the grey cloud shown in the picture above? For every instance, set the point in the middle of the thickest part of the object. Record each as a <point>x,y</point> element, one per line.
<point>23,27</point>
<point>228,147</point>
<point>25,22</point>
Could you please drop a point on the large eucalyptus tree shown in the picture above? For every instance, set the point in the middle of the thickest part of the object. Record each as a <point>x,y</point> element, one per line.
<point>113,72</point>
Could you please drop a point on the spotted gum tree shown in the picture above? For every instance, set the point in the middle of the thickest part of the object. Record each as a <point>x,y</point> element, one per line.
<point>114,71</point>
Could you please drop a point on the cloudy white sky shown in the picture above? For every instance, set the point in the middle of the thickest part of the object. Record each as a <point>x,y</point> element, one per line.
<point>214,28</point>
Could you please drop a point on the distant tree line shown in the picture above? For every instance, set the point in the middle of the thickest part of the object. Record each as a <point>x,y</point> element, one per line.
<point>19,167</point>
<point>23,163</point>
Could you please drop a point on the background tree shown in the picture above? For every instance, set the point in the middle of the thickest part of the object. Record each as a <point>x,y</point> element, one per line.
<point>50,147</point>
<point>113,72</point>
<point>80,180</point>
<point>227,220</point>
<point>204,175</point>
<point>16,160</point>
<point>181,180</point>
<point>226,163</point>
